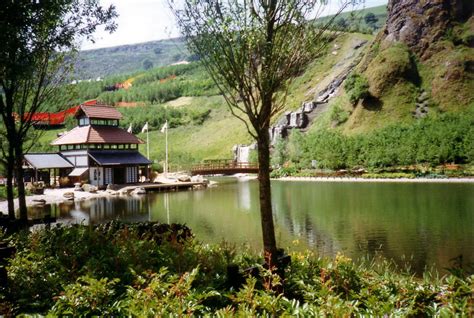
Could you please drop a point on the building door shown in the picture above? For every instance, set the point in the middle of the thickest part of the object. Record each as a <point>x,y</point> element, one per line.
<point>107,176</point>
<point>96,176</point>
<point>119,175</point>
<point>132,174</point>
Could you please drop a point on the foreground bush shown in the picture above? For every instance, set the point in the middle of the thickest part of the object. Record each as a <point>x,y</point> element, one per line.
<point>158,270</point>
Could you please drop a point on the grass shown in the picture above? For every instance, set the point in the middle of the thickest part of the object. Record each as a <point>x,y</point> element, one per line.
<point>395,106</point>
<point>128,58</point>
<point>446,77</point>
<point>395,77</point>
<point>194,143</point>
<point>357,16</point>
<point>213,139</point>
<point>320,73</point>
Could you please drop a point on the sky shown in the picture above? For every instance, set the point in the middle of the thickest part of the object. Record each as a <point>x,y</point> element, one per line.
<point>150,20</point>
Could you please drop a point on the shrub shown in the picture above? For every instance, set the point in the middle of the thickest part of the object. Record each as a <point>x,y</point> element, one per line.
<point>150,271</point>
<point>436,140</point>
<point>279,154</point>
<point>338,114</point>
<point>88,296</point>
<point>357,87</point>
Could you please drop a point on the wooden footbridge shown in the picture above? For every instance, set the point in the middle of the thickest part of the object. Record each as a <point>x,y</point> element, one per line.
<point>223,166</point>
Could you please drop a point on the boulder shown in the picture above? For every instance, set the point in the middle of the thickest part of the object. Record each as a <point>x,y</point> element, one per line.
<point>197,178</point>
<point>89,188</point>
<point>138,191</point>
<point>184,178</point>
<point>111,186</point>
<point>69,195</point>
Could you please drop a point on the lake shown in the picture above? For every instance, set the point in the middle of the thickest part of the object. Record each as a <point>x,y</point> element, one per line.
<point>416,224</point>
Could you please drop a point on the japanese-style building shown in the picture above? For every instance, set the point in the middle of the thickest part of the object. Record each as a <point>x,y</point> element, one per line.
<point>99,151</point>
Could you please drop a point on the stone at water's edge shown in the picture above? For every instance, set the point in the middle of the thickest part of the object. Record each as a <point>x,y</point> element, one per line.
<point>419,24</point>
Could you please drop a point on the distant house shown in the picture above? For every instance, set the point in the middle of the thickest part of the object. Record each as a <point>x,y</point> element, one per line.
<point>98,150</point>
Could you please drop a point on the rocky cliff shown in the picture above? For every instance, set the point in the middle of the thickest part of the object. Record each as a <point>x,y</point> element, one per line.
<point>421,24</point>
<point>421,63</point>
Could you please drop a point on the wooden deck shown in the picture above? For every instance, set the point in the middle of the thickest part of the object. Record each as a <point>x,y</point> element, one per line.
<point>164,186</point>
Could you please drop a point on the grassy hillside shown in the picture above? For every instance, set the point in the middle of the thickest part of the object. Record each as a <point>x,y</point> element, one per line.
<point>129,58</point>
<point>387,83</point>
<point>397,79</point>
<point>201,124</point>
<point>193,143</point>
<point>118,60</point>
<point>355,20</point>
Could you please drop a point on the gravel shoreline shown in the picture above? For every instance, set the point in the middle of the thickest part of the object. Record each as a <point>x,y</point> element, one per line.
<point>54,196</point>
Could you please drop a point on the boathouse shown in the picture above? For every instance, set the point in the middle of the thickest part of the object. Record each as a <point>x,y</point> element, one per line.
<point>101,152</point>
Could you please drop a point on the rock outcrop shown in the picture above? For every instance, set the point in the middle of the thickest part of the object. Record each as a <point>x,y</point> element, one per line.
<point>309,110</point>
<point>420,24</point>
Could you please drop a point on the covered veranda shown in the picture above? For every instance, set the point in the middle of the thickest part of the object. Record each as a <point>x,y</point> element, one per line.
<point>39,167</point>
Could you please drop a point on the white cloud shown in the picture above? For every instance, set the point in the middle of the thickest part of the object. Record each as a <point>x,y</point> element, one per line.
<point>138,21</point>
<point>149,20</point>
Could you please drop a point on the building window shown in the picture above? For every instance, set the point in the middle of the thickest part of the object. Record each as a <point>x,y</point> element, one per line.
<point>84,121</point>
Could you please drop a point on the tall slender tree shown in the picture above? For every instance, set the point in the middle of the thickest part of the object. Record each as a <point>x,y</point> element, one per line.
<point>253,49</point>
<point>36,39</point>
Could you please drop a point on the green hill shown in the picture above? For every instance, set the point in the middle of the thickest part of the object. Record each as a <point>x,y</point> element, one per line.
<point>359,20</point>
<point>132,58</point>
<point>400,106</point>
<point>105,62</point>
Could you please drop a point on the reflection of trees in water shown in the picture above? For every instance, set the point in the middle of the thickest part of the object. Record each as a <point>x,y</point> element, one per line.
<point>291,211</point>
<point>244,197</point>
<point>131,208</point>
<point>432,223</point>
<point>407,223</point>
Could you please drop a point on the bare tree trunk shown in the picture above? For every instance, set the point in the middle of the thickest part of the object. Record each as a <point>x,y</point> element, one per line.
<point>10,168</point>
<point>266,215</point>
<point>10,193</point>
<point>20,184</point>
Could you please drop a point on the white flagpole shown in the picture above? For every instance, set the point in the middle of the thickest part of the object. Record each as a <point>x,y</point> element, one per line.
<point>166,151</point>
<point>147,146</point>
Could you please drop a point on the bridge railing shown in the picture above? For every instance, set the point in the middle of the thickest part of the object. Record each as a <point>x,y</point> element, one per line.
<point>219,165</point>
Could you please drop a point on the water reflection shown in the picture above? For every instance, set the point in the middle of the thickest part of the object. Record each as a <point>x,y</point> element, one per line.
<point>429,224</point>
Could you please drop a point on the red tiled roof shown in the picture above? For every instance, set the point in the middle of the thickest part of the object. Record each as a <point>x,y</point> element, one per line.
<point>101,111</point>
<point>97,135</point>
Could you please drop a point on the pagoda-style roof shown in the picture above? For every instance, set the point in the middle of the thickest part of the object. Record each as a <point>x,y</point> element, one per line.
<point>95,134</point>
<point>99,111</point>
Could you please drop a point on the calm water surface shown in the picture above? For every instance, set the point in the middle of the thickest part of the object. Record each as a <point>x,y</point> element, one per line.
<point>420,224</point>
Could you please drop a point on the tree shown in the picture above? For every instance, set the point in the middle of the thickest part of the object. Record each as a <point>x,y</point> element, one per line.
<point>341,23</point>
<point>37,39</point>
<point>252,50</point>
<point>147,64</point>
<point>371,20</point>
